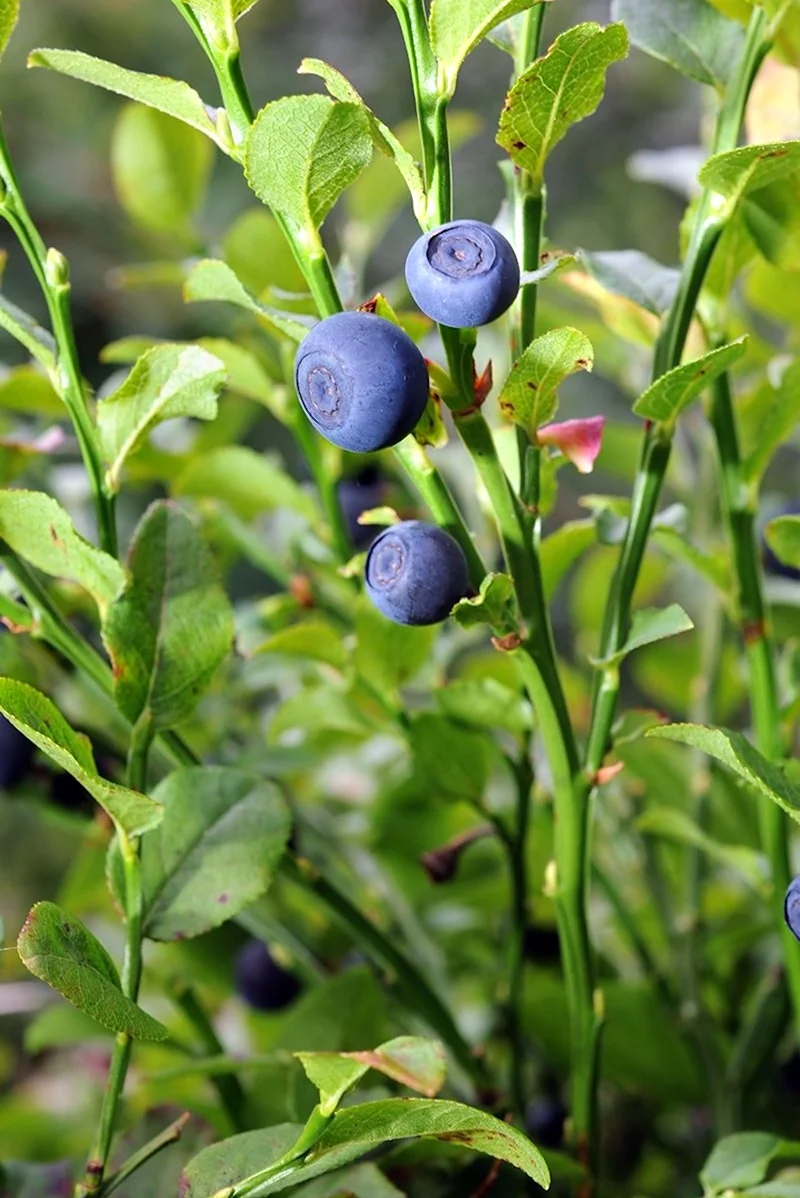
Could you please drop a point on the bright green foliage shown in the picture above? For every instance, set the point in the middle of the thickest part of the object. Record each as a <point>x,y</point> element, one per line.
<point>530,393</point>
<point>389,655</point>
<point>41,532</point>
<point>741,172</point>
<point>457,26</point>
<point>690,35</point>
<point>220,13</point>
<point>172,626</point>
<point>634,275</point>
<point>167,381</point>
<point>57,948</point>
<point>649,626</point>
<point>26,390</point>
<point>779,415</point>
<point>675,825</point>
<point>213,280</point>
<point>301,154</point>
<point>451,761</point>
<point>772,217</point>
<point>742,1161</point>
<point>246,481</point>
<point>161,168</point>
<point>485,703</point>
<point>41,721</point>
<point>156,91</point>
<point>495,605</point>
<point>557,90</point>
<point>783,535</point>
<point>413,1062</point>
<point>9,12</point>
<point>38,342</point>
<point>311,640</point>
<point>674,391</point>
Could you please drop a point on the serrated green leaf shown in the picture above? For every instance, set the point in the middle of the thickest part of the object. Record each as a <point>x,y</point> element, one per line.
<point>170,96</point>
<point>41,721</point>
<point>671,823</point>
<point>213,280</point>
<point>313,640</point>
<point>352,1133</point>
<point>634,275</point>
<point>783,537</point>
<point>40,531</point>
<point>410,1060</point>
<point>38,341</point>
<point>172,627</point>
<point>302,152</point>
<point>494,605</point>
<point>248,482</point>
<point>167,381</point>
<point>690,35</point>
<point>666,398</point>
<point>57,948</point>
<point>383,137</point>
<point>648,626</point>
<point>556,91</point>
<point>530,393</point>
<point>739,173</point>
<point>457,26</point>
<point>777,423</point>
<point>215,852</point>
<point>160,167</point>
<point>733,750</point>
<point>9,12</point>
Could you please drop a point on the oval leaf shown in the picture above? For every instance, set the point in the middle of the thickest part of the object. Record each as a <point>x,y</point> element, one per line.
<point>42,722</point>
<point>57,948</point>
<point>783,537</point>
<point>211,280</point>
<point>738,173</point>
<point>530,393</point>
<point>247,481</point>
<point>173,626</point>
<point>648,626</point>
<point>675,390</point>
<point>302,152</point>
<point>690,35</point>
<point>457,26</point>
<point>9,12</point>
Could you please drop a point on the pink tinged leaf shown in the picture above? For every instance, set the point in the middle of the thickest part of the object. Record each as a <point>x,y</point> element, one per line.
<point>578,440</point>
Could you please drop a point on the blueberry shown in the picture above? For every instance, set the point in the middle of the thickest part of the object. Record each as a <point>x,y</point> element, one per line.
<point>772,564</point>
<point>261,981</point>
<point>16,754</point>
<point>542,944</point>
<point>791,906</point>
<point>358,494</point>
<point>416,573</point>
<point>544,1122</point>
<point>463,274</point>
<point>361,380</point>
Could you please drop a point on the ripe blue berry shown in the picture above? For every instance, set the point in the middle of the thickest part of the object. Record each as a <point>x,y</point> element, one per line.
<point>463,274</point>
<point>361,380</point>
<point>358,494</point>
<point>772,564</point>
<point>416,573</point>
<point>261,981</point>
<point>791,907</point>
<point>544,1122</point>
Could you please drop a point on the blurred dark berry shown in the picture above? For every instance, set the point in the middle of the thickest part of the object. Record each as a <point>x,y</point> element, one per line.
<point>542,945</point>
<point>68,794</point>
<point>789,1074</point>
<point>544,1122</point>
<point>16,755</point>
<point>260,981</point>
<point>361,493</point>
<point>772,564</point>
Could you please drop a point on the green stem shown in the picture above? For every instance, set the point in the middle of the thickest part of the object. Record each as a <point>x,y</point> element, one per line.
<point>759,650</point>
<point>528,202</point>
<point>517,854</point>
<point>227,1085</point>
<point>163,1140</point>
<point>52,274</point>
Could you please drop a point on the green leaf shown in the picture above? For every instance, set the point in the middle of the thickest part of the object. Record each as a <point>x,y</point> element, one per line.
<point>167,381</point>
<point>388,655</point>
<point>302,152</point>
<point>212,280</point>
<point>161,169</point>
<point>248,482</point>
<point>313,640</point>
<point>690,35</point>
<point>451,761</point>
<point>457,26</point>
<point>741,172</point>
<point>530,393</point>
<point>675,390</point>
<point>172,627</point>
<point>218,13</point>
<point>557,91</point>
<point>562,549</point>
<point>783,537</point>
<point>25,389</point>
<point>38,341</point>
<point>360,1181</point>
<point>484,703</point>
<point>743,1160</point>
<point>648,626</point>
<point>494,605</point>
<point>634,275</point>
<point>215,852</point>
<point>671,823</point>
<point>256,249</point>
<point>60,1026</point>
<point>353,1132</point>
<point>243,369</point>
<point>9,12</point>
<point>57,948</point>
<point>772,218</point>
<point>735,752</point>
<point>156,91</point>
<point>779,415</point>
<point>41,532</point>
<point>384,139</point>
<point>42,722</point>
<point>413,1061</point>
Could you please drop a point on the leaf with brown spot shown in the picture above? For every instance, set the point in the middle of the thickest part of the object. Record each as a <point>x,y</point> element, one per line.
<point>674,391</point>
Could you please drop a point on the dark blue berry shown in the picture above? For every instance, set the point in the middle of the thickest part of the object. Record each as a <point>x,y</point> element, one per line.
<point>261,981</point>
<point>16,755</point>
<point>361,380</point>
<point>772,564</point>
<point>358,494</point>
<point>791,906</point>
<point>416,573</point>
<point>463,274</point>
<point>544,1122</point>
<point>542,944</point>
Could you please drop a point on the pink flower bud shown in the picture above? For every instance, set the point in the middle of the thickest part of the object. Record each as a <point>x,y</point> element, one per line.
<point>578,440</point>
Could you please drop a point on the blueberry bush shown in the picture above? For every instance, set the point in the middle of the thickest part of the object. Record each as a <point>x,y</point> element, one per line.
<point>458,859</point>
